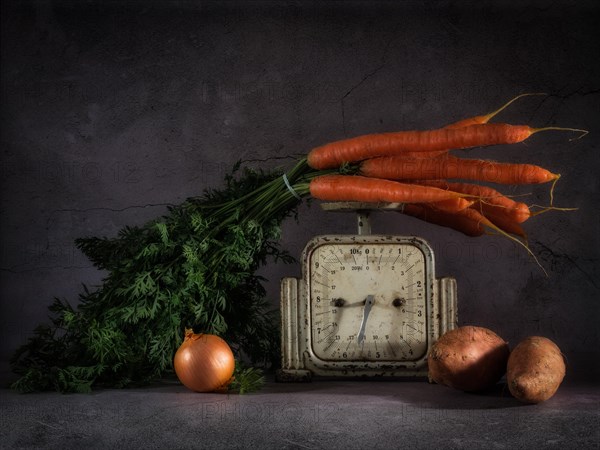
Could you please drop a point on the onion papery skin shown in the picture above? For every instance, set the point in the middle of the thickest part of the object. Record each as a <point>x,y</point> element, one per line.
<point>204,362</point>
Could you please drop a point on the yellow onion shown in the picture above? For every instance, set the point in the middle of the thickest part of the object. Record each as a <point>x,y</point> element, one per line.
<point>204,362</point>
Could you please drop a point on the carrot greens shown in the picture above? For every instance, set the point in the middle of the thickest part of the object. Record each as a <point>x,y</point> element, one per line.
<point>195,266</point>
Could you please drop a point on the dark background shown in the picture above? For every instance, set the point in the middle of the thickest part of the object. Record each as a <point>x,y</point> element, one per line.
<point>113,110</point>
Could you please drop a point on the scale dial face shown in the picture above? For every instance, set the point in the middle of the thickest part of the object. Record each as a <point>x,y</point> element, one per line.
<point>368,300</point>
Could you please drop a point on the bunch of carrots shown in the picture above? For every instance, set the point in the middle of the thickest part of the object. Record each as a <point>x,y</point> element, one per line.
<point>411,168</point>
<point>416,169</point>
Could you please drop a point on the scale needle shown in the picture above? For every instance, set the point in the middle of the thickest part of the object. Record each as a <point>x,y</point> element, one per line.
<point>368,304</point>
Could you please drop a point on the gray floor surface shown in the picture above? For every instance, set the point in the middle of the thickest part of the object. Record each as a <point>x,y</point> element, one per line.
<point>321,414</point>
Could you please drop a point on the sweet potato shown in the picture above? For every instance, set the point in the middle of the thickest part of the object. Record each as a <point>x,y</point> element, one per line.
<point>468,358</point>
<point>535,370</point>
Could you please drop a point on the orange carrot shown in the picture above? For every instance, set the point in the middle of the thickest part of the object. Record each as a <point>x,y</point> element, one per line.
<point>388,144</point>
<point>491,202</point>
<point>400,168</point>
<point>452,205</point>
<point>425,155</point>
<point>518,213</point>
<point>478,120</point>
<point>467,221</point>
<point>364,189</point>
<point>502,221</point>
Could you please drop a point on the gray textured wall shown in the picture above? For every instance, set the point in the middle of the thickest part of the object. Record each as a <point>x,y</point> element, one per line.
<point>109,113</point>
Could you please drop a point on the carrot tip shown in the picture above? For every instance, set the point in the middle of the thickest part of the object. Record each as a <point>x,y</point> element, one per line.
<point>583,133</point>
<point>545,209</point>
<point>491,115</point>
<point>578,130</point>
<point>556,178</point>
<point>524,243</point>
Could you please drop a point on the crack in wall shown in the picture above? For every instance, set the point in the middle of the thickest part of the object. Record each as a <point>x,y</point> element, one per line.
<point>563,98</point>
<point>557,256</point>
<point>14,269</point>
<point>36,269</point>
<point>383,61</point>
<point>101,208</point>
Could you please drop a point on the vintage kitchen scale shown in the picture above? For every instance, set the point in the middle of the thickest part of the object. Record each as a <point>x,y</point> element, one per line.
<point>366,306</point>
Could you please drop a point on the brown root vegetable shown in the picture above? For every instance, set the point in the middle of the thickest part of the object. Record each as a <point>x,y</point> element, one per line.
<point>535,370</point>
<point>468,358</point>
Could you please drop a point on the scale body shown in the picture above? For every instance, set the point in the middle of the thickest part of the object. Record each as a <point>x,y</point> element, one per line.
<point>366,305</point>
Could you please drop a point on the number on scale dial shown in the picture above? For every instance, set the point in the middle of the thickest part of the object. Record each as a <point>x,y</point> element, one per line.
<point>368,302</point>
